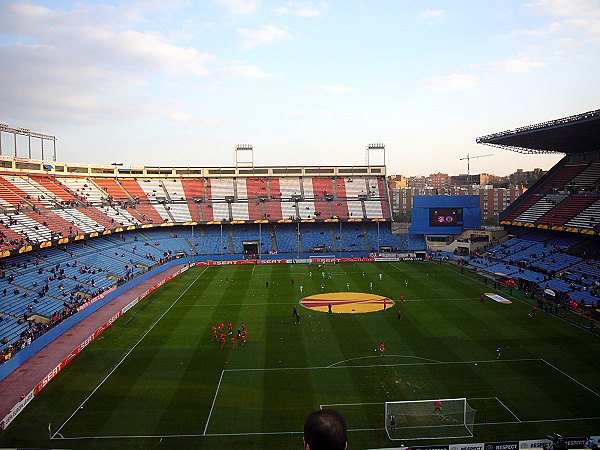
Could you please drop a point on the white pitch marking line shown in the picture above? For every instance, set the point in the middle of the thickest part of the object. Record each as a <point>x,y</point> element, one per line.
<point>128,353</point>
<point>366,357</point>
<point>480,398</point>
<point>382,403</point>
<point>135,436</point>
<point>507,408</point>
<point>570,419</point>
<point>213,402</point>
<point>351,404</point>
<point>569,376</point>
<point>491,361</point>
<point>183,305</point>
<point>266,433</point>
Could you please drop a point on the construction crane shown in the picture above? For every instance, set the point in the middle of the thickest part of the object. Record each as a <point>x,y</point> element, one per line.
<point>469,158</point>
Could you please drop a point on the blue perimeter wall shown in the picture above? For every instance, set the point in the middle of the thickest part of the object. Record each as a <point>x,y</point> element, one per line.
<point>420,213</point>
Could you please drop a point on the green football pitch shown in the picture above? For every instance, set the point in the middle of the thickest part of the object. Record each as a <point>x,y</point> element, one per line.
<point>156,379</point>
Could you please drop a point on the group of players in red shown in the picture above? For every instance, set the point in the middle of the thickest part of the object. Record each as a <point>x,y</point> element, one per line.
<point>221,336</point>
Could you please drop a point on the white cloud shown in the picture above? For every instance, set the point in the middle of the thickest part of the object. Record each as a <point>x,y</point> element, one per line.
<point>298,9</point>
<point>569,8</point>
<point>264,35</point>
<point>547,30</point>
<point>86,64</point>
<point>432,16</point>
<point>574,21</point>
<point>250,71</point>
<point>338,89</point>
<point>516,65</point>
<point>450,83</point>
<point>242,7</point>
<point>185,118</point>
<point>151,51</point>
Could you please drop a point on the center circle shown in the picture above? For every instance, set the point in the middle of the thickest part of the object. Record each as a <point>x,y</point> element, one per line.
<point>347,302</point>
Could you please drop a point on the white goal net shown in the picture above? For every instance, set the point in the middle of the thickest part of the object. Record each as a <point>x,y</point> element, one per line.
<point>429,419</point>
<point>322,259</point>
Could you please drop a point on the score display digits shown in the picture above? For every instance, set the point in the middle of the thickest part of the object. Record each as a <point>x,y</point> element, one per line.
<point>445,217</point>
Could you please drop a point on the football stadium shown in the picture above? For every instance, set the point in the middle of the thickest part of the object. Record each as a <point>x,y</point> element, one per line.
<point>215,307</point>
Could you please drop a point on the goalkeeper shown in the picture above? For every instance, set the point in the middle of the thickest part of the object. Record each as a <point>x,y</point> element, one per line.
<point>438,408</point>
<point>392,422</point>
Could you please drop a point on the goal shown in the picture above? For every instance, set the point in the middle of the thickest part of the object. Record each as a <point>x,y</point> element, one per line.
<point>320,259</point>
<point>429,419</point>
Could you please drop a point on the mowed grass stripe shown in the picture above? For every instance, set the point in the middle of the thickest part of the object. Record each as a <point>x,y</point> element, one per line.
<point>287,347</point>
<point>193,394</point>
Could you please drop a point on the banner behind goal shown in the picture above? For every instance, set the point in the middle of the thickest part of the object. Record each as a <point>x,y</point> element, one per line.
<point>429,419</point>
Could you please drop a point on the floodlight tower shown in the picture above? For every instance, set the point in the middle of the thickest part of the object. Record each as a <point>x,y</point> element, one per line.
<point>374,148</point>
<point>2,127</point>
<point>30,134</point>
<point>244,155</point>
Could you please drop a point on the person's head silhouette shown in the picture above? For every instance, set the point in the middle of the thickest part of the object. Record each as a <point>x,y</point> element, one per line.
<point>325,429</point>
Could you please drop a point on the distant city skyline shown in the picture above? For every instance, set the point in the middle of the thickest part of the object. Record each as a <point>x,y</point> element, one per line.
<point>465,173</point>
<point>305,82</point>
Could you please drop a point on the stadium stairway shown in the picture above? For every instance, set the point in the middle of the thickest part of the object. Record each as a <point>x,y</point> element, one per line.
<point>366,234</point>
<point>334,240</point>
<point>273,239</point>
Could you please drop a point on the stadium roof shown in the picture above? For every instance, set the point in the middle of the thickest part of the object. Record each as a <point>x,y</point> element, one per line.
<point>573,134</point>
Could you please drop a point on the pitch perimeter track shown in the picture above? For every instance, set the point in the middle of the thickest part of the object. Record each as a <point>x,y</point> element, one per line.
<point>32,371</point>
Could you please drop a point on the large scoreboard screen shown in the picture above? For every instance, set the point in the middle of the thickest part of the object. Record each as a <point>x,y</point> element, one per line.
<point>445,217</point>
<point>445,214</point>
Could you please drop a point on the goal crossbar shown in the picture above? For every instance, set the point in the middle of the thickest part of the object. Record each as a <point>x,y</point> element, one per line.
<point>320,259</point>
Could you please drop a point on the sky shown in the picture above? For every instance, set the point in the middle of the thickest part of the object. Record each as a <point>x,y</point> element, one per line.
<point>181,83</point>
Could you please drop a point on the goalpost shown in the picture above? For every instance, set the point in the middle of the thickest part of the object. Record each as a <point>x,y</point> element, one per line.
<point>320,259</point>
<point>429,419</point>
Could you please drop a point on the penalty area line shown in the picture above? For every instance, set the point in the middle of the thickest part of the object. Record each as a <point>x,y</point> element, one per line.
<point>366,357</point>
<point>571,378</point>
<point>508,409</point>
<point>351,404</point>
<point>127,354</point>
<point>213,402</point>
<point>383,403</point>
<point>426,363</point>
